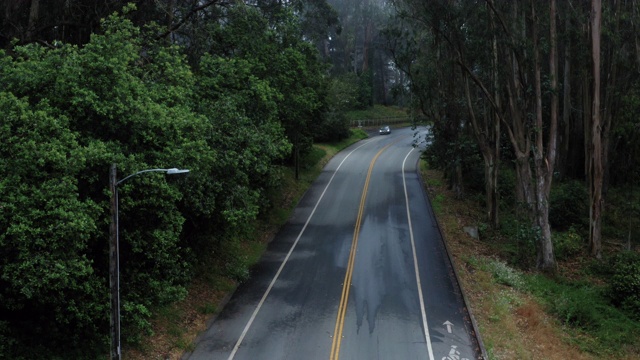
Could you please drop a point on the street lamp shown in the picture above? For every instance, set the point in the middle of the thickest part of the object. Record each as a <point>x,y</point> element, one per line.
<point>114,255</point>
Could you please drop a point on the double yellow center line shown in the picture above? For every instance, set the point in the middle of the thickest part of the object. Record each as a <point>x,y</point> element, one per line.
<point>337,332</point>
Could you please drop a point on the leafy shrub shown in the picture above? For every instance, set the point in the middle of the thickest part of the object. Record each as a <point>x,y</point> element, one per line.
<point>507,185</point>
<point>624,283</point>
<point>586,307</point>
<point>521,246</point>
<point>333,127</point>
<point>503,274</point>
<point>566,244</point>
<point>568,204</point>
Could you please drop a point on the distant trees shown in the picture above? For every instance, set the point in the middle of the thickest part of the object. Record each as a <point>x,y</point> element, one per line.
<point>225,90</point>
<point>528,76</point>
<point>357,47</point>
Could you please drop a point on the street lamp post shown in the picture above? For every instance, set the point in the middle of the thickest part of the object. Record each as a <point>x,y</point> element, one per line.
<point>114,254</point>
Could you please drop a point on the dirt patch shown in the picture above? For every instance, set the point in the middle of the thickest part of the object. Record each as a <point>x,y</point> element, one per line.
<point>174,334</point>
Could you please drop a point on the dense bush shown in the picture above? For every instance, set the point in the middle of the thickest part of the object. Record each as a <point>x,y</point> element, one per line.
<point>507,186</point>
<point>586,307</point>
<point>520,247</point>
<point>568,204</point>
<point>624,282</point>
<point>70,112</point>
<point>333,128</point>
<point>567,244</point>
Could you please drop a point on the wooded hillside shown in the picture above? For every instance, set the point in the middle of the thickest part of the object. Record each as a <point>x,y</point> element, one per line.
<point>534,105</point>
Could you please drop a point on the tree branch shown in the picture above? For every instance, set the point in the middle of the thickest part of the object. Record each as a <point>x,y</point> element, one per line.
<point>186,17</point>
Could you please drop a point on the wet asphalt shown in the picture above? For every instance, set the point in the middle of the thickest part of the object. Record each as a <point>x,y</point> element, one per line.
<point>289,307</point>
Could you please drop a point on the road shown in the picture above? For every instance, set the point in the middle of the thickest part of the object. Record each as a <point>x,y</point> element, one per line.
<point>365,222</point>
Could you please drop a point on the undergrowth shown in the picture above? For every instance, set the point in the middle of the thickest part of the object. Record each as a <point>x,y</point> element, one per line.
<point>593,306</point>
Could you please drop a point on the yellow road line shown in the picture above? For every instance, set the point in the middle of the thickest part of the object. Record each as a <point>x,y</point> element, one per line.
<point>337,332</point>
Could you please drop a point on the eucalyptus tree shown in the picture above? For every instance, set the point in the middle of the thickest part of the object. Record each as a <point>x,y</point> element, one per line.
<point>357,47</point>
<point>615,70</point>
<point>520,33</point>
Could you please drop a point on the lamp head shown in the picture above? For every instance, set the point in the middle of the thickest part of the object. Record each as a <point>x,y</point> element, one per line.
<point>176,171</point>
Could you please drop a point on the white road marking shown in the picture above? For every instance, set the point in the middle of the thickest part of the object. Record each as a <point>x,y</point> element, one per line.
<point>425,325</point>
<point>275,278</point>
<point>448,324</point>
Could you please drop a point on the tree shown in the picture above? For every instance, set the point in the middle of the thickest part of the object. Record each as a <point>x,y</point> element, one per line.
<point>595,169</point>
<point>515,41</point>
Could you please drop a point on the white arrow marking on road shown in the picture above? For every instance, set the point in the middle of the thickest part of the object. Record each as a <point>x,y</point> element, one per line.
<point>448,324</point>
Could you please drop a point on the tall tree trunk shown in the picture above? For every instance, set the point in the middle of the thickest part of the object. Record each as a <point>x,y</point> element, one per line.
<point>169,18</point>
<point>34,13</point>
<point>595,171</point>
<point>610,102</point>
<point>488,155</point>
<point>368,33</point>
<point>544,163</point>
<point>563,156</point>
<point>493,197</point>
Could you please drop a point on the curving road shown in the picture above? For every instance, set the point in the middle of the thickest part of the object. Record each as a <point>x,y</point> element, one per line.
<point>365,222</point>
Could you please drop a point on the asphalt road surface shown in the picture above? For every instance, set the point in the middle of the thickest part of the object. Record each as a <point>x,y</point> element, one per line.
<point>366,222</point>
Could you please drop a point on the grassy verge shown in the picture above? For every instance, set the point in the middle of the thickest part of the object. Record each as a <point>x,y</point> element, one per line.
<point>524,315</point>
<point>175,327</point>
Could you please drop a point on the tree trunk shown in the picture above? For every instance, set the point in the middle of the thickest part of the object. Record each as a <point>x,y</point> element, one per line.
<point>563,156</point>
<point>488,155</point>
<point>169,19</point>
<point>544,163</point>
<point>595,172</point>
<point>34,12</point>
<point>493,197</point>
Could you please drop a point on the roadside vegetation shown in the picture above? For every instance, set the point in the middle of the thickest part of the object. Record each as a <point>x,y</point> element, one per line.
<point>588,309</point>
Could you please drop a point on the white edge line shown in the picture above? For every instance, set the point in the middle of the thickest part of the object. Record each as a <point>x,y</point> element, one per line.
<point>284,262</point>
<point>427,337</point>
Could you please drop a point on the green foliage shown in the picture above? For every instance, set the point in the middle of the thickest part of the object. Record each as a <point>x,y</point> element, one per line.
<point>507,185</point>
<point>48,281</point>
<point>520,247</point>
<point>343,93</point>
<point>568,205</point>
<point>365,90</point>
<point>621,220</point>
<point>624,282</point>
<point>436,203</point>
<point>70,112</point>
<point>585,307</point>
<point>274,52</point>
<point>332,128</point>
<point>313,157</point>
<point>503,274</point>
<point>567,244</point>
<point>376,112</point>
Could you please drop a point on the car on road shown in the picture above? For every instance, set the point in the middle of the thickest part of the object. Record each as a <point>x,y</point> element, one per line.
<point>385,130</point>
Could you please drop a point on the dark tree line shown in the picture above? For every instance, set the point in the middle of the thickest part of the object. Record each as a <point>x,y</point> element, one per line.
<point>545,89</point>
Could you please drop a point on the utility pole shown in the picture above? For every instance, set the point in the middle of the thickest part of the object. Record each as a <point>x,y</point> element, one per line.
<point>114,267</point>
